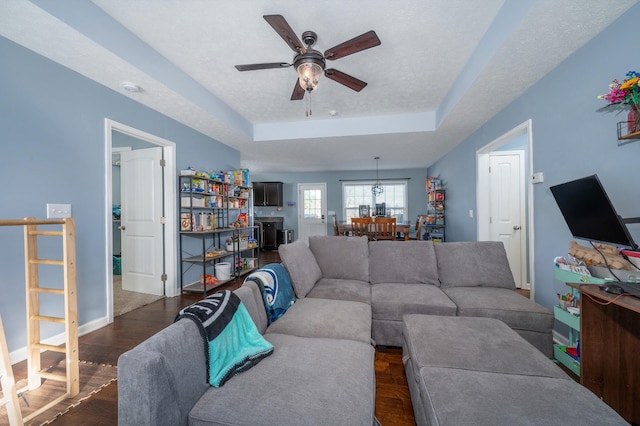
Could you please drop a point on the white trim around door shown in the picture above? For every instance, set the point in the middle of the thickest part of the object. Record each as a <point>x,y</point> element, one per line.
<point>170,239</point>
<point>482,197</point>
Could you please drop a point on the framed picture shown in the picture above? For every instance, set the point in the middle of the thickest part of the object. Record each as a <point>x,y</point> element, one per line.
<point>364,210</point>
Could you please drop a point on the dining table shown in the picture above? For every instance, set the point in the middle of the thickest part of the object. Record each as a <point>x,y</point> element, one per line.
<point>402,228</point>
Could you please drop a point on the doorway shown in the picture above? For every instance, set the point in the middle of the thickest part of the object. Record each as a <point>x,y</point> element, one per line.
<point>145,232</point>
<point>312,211</point>
<point>505,199</point>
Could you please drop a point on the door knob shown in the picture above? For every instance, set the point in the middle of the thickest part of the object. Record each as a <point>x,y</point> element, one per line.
<point>516,227</point>
<point>122,227</point>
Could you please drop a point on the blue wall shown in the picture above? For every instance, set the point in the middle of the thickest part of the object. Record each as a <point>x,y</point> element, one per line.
<point>52,122</point>
<point>570,140</point>
<point>416,192</point>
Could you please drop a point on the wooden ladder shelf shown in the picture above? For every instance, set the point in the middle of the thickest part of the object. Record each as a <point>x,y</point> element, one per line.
<point>34,317</point>
<point>7,383</point>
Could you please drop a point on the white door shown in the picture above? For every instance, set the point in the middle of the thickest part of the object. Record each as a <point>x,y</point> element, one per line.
<point>506,208</point>
<point>312,210</point>
<point>141,227</point>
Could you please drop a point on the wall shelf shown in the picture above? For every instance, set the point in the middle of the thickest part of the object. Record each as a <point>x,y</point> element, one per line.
<point>624,137</point>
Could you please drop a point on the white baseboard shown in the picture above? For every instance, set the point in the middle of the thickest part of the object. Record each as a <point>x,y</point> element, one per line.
<point>21,354</point>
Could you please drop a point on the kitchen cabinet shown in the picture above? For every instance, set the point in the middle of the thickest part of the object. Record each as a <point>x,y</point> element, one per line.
<point>270,235</point>
<point>267,194</point>
<point>270,228</point>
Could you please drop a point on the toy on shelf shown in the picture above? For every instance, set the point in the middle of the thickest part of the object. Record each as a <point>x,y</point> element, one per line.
<point>593,257</point>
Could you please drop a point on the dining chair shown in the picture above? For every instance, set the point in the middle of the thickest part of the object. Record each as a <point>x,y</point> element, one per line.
<point>336,228</point>
<point>384,228</point>
<point>361,227</point>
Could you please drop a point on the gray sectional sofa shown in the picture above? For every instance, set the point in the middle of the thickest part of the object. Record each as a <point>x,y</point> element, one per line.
<point>351,292</point>
<point>320,372</point>
<point>416,277</point>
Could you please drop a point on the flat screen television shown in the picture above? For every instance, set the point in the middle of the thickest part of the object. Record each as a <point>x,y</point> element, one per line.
<point>589,213</point>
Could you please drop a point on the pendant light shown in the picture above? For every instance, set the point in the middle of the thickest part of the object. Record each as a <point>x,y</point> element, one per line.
<point>377,189</point>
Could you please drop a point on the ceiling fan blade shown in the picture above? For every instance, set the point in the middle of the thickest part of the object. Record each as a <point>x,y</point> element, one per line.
<point>266,66</point>
<point>342,78</point>
<point>283,28</point>
<point>362,42</point>
<point>298,92</point>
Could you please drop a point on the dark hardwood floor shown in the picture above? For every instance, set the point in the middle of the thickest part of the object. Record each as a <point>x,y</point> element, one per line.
<point>393,403</point>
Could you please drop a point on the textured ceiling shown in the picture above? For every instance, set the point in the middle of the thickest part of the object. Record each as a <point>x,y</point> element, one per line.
<point>439,61</point>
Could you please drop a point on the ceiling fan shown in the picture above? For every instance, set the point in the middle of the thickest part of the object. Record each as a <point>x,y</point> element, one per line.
<point>309,63</point>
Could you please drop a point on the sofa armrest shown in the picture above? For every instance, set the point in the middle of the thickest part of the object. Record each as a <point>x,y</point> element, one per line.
<point>161,379</point>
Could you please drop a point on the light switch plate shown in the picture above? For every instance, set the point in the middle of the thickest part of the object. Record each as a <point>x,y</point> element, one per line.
<point>537,177</point>
<point>58,211</point>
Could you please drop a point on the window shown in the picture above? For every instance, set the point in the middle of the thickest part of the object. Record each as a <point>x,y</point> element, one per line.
<point>312,208</point>
<point>355,194</point>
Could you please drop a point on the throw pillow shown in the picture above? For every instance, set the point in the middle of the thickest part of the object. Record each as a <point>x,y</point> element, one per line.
<point>344,258</point>
<point>474,264</point>
<point>302,266</point>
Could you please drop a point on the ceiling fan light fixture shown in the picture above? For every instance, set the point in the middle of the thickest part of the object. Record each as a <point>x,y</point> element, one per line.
<point>310,67</point>
<point>309,75</point>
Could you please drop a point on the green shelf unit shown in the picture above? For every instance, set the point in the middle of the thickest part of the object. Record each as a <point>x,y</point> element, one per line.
<point>574,330</point>
<point>566,318</point>
<point>572,277</point>
<point>563,358</point>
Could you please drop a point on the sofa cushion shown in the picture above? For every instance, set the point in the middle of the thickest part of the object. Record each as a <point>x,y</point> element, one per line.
<point>391,301</point>
<point>454,397</point>
<point>339,289</point>
<point>386,332</point>
<point>473,264</point>
<point>515,310</point>
<point>479,371</point>
<point>485,344</point>
<point>337,319</point>
<point>341,257</point>
<point>301,265</point>
<point>307,381</point>
<point>403,262</point>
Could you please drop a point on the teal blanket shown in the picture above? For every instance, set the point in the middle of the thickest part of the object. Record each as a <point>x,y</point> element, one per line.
<point>232,342</point>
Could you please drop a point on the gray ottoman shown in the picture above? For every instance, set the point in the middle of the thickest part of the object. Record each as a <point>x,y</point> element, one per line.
<point>478,371</point>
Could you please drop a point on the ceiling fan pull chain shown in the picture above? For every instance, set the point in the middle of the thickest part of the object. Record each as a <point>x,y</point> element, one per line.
<point>309,112</point>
